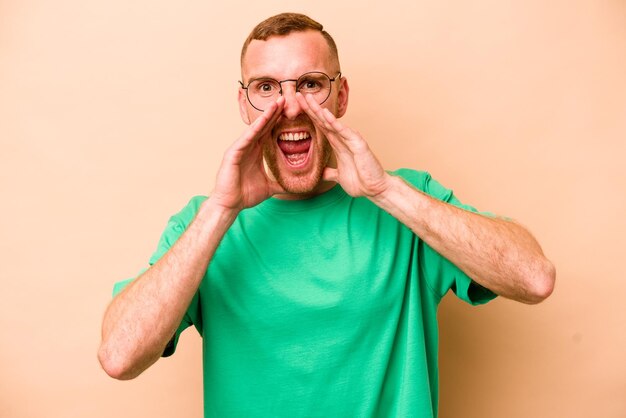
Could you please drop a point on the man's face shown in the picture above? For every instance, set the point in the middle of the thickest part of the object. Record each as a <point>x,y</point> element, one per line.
<point>296,153</point>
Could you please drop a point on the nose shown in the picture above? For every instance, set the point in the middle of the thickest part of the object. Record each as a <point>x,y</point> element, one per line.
<point>292,108</point>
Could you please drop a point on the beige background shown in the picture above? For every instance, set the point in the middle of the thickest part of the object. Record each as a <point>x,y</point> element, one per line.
<point>112,114</point>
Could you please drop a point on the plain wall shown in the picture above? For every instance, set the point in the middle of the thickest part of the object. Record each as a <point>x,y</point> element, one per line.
<point>113,114</point>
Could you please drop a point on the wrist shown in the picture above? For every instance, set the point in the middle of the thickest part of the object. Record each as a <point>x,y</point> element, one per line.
<point>211,212</point>
<point>401,200</point>
<point>391,189</point>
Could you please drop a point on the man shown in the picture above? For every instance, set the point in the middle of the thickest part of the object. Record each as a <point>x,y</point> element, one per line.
<point>313,274</point>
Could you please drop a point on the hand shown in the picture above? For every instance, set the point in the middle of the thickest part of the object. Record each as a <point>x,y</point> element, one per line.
<point>358,170</point>
<point>241,180</point>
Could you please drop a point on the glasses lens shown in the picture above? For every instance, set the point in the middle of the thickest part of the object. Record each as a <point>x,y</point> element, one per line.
<point>262,92</point>
<point>315,84</point>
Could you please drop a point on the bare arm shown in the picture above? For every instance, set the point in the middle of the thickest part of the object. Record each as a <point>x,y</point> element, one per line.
<point>498,254</point>
<point>142,319</point>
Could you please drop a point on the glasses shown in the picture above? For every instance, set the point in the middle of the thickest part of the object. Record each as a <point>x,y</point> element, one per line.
<point>261,92</point>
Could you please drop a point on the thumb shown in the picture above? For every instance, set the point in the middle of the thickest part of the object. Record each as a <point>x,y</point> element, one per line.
<point>330,174</point>
<point>275,188</point>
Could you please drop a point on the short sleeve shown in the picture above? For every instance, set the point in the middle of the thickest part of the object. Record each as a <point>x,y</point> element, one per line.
<point>176,225</point>
<point>441,274</point>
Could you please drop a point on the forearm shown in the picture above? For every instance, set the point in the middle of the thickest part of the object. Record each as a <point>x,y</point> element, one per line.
<point>142,319</point>
<point>496,253</point>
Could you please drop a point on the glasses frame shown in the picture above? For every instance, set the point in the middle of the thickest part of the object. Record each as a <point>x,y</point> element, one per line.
<point>280,84</point>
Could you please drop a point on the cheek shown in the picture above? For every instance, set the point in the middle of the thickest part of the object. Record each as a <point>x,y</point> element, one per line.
<point>248,113</point>
<point>332,104</point>
<point>323,148</point>
<point>253,114</point>
<point>268,144</point>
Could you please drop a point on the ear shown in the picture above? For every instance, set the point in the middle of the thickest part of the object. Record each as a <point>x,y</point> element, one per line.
<point>342,97</point>
<point>243,105</point>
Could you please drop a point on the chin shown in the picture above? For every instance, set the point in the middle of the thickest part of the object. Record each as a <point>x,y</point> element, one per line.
<point>302,185</point>
<point>302,179</point>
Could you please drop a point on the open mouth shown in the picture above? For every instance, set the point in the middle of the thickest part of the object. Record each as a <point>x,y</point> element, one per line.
<point>296,147</point>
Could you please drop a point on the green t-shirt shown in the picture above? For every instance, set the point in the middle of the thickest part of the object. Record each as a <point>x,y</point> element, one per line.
<point>324,307</point>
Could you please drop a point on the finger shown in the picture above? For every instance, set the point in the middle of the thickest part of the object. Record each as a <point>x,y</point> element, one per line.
<point>275,188</point>
<point>352,139</point>
<point>330,174</point>
<point>261,125</point>
<point>270,116</point>
<point>329,122</point>
<point>335,125</point>
<point>311,108</point>
<point>314,111</point>
<point>276,113</point>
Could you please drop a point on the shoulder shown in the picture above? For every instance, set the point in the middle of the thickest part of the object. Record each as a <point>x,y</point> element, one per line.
<point>189,211</point>
<point>176,225</point>
<point>415,177</point>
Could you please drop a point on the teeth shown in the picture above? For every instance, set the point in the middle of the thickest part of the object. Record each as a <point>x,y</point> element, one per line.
<point>298,136</point>
<point>296,159</point>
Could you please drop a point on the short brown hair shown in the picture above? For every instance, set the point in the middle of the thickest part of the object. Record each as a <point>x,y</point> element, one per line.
<point>285,23</point>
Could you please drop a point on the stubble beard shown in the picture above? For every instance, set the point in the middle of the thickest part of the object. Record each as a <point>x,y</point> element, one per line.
<point>298,183</point>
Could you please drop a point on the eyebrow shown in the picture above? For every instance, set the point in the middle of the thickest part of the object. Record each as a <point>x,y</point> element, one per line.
<point>262,77</point>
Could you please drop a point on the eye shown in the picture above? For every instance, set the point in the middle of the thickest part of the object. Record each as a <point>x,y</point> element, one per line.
<point>311,84</point>
<point>264,88</point>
